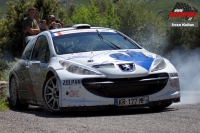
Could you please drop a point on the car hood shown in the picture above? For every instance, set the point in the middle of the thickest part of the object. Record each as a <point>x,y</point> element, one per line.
<point>120,63</point>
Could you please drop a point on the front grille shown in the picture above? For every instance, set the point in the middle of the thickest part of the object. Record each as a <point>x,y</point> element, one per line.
<point>126,87</point>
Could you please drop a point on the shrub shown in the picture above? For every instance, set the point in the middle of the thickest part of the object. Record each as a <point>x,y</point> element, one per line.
<point>4,102</point>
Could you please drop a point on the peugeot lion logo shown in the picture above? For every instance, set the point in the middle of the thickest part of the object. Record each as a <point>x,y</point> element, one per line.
<point>126,67</point>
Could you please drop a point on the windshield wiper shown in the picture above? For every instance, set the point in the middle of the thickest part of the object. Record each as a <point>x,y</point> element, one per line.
<point>107,40</point>
<point>99,34</point>
<point>128,39</point>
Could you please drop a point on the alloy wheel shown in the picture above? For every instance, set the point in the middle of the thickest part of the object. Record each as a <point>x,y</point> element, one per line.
<point>51,94</point>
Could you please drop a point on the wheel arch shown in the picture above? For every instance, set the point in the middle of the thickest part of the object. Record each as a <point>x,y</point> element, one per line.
<point>51,71</point>
<point>19,104</point>
<point>11,76</point>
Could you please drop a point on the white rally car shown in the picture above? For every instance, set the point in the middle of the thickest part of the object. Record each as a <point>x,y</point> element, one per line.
<point>84,66</point>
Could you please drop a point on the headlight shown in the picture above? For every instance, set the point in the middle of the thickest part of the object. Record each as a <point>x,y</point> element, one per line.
<point>74,68</point>
<point>158,64</point>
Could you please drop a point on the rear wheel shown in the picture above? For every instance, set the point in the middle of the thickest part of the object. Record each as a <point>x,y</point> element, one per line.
<point>14,100</point>
<point>51,94</point>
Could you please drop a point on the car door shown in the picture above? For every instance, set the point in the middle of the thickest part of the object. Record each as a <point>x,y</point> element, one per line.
<point>38,65</point>
<point>22,72</point>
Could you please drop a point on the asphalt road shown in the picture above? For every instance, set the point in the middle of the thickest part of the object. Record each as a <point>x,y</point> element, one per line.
<point>178,118</point>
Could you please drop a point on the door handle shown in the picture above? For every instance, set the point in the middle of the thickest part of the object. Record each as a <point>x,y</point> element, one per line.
<point>36,63</point>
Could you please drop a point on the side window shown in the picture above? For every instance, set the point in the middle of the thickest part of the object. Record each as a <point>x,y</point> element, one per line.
<point>47,56</point>
<point>27,52</point>
<point>41,50</point>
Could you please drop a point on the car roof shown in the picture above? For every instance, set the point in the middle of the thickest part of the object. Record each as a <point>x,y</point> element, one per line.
<point>74,27</point>
<point>77,26</point>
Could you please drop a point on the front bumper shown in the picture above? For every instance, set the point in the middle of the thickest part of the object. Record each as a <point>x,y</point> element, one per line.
<point>158,89</point>
<point>112,107</point>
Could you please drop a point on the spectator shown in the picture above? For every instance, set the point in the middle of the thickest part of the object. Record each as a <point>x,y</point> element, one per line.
<point>58,21</point>
<point>30,26</point>
<point>52,23</point>
<point>41,23</point>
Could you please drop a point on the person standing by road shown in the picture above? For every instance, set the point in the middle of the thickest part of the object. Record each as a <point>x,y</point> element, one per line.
<point>41,23</point>
<point>29,25</point>
<point>52,24</point>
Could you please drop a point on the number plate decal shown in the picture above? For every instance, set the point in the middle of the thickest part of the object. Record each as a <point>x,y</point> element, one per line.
<point>131,101</point>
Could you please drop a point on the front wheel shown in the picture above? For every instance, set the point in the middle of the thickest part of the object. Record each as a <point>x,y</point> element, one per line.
<point>51,94</point>
<point>14,100</point>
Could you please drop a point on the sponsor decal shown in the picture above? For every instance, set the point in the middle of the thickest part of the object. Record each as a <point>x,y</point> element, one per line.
<point>73,93</point>
<point>86,101</point>
<point>79,55</point>
<point>36,102</point>
<point>174,83</point>
<point>136,57</point>
<point>183,11</point>
<point>173,74</point>
<point>90,61</point>
<point>71,32</point>
<point>71,82</point>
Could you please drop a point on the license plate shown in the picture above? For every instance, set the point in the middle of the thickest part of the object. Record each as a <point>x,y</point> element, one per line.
<point>131,101</point>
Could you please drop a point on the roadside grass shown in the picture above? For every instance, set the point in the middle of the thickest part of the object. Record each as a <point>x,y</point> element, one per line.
<point>4,105</point>
<point>4,102</point>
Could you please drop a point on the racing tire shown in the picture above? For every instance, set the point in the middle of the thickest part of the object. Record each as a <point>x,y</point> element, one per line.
<point>160,107</point>
<point>51,94</point>
<point>14,99</point>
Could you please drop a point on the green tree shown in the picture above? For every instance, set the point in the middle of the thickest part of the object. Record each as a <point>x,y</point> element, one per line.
<point>2,67</point>
<point>3,42</point>
<point>102,5</point>
<point>92,15</point>
<point>16,13</point>
<point>3,34</point>
<point>111,18</point>
<point>71,10</point>
<point>46,7</point>
<point>86,14</point>
<point>142,25</point>
<point>62,15</point>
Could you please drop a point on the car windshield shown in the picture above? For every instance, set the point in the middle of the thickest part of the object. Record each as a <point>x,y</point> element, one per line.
<point>91,41</point>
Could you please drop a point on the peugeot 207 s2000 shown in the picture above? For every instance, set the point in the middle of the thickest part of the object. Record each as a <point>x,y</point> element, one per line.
<point>86,66</point>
